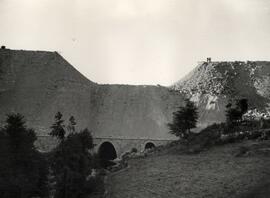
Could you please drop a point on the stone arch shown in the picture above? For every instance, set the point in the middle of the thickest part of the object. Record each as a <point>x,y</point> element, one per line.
<point>149,145</point>
<point>107,151</point>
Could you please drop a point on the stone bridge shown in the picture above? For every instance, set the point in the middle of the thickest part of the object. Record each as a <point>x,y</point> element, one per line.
<point>108,147</point>
<point>111,147</point>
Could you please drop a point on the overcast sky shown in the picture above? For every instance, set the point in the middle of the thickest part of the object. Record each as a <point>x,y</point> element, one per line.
<point>138,41</point>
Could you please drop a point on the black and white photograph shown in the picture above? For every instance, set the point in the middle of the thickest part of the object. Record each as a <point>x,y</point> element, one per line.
<point>134,99</point>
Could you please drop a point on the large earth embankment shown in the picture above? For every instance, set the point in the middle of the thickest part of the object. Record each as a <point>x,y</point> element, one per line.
<point>37,84</point>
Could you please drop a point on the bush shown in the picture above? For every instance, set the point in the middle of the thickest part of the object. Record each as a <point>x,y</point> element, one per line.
<point>223,133</point>
<point>243,150</point>
<point>235,112</point>
<point>134,150</point>
<point>265,135</point>
<point>266,124</point>
<point>208,136</point>
<point>242,126</point>
<point>94,185</point>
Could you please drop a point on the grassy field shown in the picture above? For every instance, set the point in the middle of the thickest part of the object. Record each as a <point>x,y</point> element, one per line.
<point>233,170</point>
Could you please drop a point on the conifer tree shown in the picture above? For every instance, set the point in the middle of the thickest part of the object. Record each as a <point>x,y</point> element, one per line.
<point>71,125</point>
<point>23,170</point>
<point>184,120</point>
<point>58,130</point>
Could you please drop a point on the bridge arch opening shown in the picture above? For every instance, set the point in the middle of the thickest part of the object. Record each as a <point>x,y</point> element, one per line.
<point>149,145</point>
<point>107,151</point>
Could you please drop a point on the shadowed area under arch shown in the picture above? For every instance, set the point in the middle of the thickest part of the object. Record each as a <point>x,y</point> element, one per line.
<point>107,151</point>
<point>149,145</point>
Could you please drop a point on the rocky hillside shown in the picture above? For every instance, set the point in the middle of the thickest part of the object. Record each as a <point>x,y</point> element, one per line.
<point>38,84</point>
<point>213,84</point>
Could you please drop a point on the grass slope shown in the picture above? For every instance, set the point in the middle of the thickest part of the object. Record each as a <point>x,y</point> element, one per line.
<point>213,173</point>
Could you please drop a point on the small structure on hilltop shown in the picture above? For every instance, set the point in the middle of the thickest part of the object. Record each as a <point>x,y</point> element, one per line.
<point>209,60</point>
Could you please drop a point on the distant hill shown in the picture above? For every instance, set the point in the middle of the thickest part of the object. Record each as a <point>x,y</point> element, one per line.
<point>38,84</point>
<point>213,84</point>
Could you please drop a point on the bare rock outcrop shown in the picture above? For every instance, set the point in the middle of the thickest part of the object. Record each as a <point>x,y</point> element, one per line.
<point>213,84</point>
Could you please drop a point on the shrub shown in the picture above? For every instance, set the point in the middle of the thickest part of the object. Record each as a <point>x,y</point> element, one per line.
<point>235,112</point>
<point>210,135</point>
<point>266,124</point>
<point>243,150</point>
<point>254,135</point>
<point>94,185</point>
<point>134,150</point>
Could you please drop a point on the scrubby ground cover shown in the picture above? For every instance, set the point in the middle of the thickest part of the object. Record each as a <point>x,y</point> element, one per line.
<point>231,170</point>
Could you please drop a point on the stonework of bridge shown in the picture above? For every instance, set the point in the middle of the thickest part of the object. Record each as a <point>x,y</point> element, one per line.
<point>111,146</point>
<point>123,145</point>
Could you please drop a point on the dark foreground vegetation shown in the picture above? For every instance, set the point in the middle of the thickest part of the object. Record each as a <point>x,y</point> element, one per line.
<point>71,170</point>
<point>68,171</point>
<point>23,170</point>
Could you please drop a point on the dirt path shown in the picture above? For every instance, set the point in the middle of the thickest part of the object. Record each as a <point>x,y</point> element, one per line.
<point>215,173</point>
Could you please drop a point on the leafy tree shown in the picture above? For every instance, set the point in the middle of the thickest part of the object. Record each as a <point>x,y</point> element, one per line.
<point>71,164</point>
<point>183,120</point>
<point>71,125</point>
<point>58,130</point>
<point>23,169</point>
